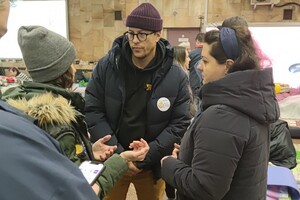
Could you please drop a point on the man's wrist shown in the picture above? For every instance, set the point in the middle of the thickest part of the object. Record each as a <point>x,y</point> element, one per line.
<point>124,157</point>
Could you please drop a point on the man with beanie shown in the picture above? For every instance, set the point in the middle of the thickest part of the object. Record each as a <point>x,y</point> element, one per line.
<point>136,92</point>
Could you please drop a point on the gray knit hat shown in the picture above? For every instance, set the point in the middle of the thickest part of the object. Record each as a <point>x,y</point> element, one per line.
<point>47,55</point>
<point>146,17</point>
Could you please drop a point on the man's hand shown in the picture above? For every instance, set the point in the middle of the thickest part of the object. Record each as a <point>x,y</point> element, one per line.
<point>138,152</point>
<point>101,151</point>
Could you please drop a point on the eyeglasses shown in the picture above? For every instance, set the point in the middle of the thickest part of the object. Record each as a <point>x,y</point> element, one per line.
<point>140,36</point>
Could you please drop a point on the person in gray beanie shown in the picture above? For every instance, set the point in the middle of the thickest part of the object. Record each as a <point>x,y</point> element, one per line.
<point>48,57</point>
<point>34,166</point>
<point>137,92</point>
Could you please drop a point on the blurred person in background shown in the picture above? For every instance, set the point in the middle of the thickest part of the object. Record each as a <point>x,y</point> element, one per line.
<point>195,76</point>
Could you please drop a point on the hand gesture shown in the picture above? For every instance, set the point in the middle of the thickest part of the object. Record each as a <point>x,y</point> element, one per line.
<point>175,150</point>
<point>138,152</point>
<point>101,151</point>
<point>174,153</point>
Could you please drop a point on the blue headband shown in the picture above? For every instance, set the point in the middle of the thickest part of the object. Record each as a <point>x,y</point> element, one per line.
<point>229,43</point>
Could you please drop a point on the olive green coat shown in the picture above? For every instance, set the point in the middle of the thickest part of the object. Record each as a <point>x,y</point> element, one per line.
<point>57,111</point>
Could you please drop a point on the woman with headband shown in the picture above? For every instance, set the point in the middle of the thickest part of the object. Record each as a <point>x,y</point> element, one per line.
<point>224,154</point>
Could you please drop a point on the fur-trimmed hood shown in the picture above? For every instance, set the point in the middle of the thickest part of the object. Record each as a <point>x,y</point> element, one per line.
<point>48,109</point>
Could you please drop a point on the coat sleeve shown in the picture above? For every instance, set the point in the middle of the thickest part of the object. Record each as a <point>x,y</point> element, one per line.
<point>115,165</point>
<point>282,150</point>
<point>115,168</point>
<point>68,144</point>
<point>180,120</point>
<point>215,156</point>
<point>95,112</point>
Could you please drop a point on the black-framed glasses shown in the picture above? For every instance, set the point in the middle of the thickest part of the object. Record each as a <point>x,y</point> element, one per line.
<point>140,36</point>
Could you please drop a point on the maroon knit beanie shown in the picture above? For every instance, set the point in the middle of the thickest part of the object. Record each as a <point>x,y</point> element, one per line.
<point>146,17</point>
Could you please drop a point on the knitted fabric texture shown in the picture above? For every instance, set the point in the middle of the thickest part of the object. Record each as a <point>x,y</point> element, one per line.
<point>47,55</point>
<point>145,17</point>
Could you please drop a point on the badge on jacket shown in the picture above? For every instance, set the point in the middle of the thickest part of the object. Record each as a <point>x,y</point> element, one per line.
<point>148,87</point>
<point>163,104</point>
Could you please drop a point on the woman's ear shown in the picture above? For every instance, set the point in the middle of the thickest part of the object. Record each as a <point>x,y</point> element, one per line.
<point>228,63</point>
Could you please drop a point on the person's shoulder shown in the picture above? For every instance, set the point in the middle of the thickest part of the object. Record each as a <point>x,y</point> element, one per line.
<point>175,68</point>
<point>195,53</point>
<point>222,115</point>
<point>27,90</point>
<point>219,113</point>
<point>106,62</point>
<point>15,113</point>
<point>10,109</point>
<point>224,109</point>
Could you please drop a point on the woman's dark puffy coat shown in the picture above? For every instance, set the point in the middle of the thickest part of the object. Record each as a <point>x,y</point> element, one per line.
<point>225,152</point>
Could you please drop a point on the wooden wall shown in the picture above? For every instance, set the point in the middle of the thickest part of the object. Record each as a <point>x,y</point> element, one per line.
<point>92,24</point>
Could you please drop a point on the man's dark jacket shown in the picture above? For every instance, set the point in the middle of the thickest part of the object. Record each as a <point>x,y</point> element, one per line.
<point>105,97</point>
<point>225,152</point>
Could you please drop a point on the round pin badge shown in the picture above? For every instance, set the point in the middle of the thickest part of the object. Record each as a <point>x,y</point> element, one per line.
<point>163,104</point>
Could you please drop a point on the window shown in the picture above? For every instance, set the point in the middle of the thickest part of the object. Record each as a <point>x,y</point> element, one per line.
<point>51,14</point>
